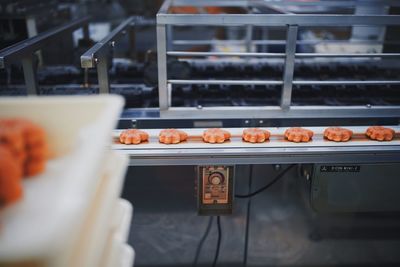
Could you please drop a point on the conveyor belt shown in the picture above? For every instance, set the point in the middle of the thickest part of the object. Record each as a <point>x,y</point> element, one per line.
<point>277,150</point>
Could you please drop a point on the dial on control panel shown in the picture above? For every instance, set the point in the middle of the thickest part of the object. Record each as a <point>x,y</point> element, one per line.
<point>216,178</point>
<point>215,189</point>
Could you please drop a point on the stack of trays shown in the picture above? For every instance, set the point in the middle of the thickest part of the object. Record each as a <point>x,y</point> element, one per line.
<point>71,214</point>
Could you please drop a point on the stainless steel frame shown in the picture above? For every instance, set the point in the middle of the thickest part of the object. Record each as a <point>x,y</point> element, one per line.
<point>23,51</point>
<point>165,21</point>
<point>245,3</point>
<point>235,156</point>
<point>98,55</point>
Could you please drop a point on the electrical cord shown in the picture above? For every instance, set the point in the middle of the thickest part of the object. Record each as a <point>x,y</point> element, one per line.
<point>218,242</point>
<point>202,240</point>
<point>246,236</point>
<point>280,175</point>
<point>214,264</point>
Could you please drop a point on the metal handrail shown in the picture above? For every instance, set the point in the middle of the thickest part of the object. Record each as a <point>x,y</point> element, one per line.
<point>97,55</point>
<point>279,55</point>
<point>295,82</point>
<point>24,50</point>
<point>247,3</point>
<point>28,46</point>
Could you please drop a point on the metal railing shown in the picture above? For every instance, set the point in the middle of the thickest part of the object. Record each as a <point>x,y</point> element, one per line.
<point>292,23</point>
<point>98,55</point>
<point>24,50</point>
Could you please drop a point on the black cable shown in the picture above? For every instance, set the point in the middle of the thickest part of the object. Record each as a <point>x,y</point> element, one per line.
<point>246,236</point>
<point>280,175</point>
<point>201,243</point>
<point>218,242</point>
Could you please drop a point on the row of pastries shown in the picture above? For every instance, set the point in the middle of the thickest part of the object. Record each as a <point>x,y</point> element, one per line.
<point>255,135</point>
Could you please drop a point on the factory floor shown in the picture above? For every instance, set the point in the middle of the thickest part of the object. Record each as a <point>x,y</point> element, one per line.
<point>283,229</point>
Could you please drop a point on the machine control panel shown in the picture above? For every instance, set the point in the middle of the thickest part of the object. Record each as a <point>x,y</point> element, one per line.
<point>215,185</point>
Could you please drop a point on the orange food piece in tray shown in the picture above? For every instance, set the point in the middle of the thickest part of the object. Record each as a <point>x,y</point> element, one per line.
<point>172,136</point>
<point>216,135</point>
<point>297,134</point>
<point>27,142</point>
<point>133,136</point>
<point>12,138</point>
<point>338,134</point>
<point>10,178</point>
<point>34,167</point>
<point>380,133</point>
<point>255,135</point>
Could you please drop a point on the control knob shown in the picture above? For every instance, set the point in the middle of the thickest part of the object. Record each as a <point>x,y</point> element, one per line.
<point>216,178</point>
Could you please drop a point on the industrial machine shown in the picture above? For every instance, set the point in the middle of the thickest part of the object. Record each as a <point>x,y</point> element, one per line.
<point>238,64</point>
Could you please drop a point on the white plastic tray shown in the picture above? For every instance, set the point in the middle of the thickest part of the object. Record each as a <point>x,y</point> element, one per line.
<point>91,245</point>
<point>127,258</point>
<point>53,206</point>
<point>118,235</point>
<point>120,255</point>
<point>123,218</point>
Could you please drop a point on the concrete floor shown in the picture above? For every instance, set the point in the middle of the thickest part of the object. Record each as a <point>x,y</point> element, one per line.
<point>283,230</point>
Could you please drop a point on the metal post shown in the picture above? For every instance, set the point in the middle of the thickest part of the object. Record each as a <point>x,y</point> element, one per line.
<point>132,40</point>
<point>86,34</point>
<point>32,31</point>
<point>170,38</point>
<point>289,66</point>
<point>249,38</point>
<point>162,66</point>
<point>102,75</point>
<point>32,87</point>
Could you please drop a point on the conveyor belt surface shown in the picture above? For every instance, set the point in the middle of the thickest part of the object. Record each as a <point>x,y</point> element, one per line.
<point>276,150</point>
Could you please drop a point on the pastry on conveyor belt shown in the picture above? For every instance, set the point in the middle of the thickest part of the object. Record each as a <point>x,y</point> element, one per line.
<point>255,135</point>
<point>133,136</point>
<point>338,134</point>
<point>216,135</point>
<point>10,177</point>
<point>380,133</point>
<point>297,135</point>
<point>172,136</point>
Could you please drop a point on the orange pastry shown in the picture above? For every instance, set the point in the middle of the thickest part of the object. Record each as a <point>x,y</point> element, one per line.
<point>216,135</point>
<point>380,133</point>
<point>133,136</point>
<point>338,134</point>
<point>12,138</point>
<point>34,167</point>
<point>297,134</point>
<point>33,134</point>
<point>10,178</point>
<point>172,136</point>
<point>255,135</point>
<point>34,143</point>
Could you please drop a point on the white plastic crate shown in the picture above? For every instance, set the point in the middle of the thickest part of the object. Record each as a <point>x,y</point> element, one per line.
<point>118,237</point>
<point>93,236</point>
<point>46,220</point>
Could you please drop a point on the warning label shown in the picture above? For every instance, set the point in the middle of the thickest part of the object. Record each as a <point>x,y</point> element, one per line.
<point>347,168</point>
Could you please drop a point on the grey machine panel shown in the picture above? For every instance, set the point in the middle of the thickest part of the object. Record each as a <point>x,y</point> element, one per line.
<point>356,187</point>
